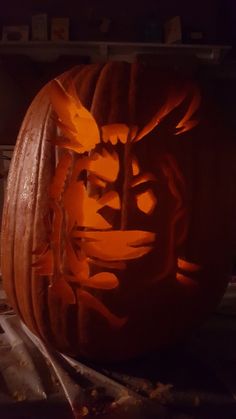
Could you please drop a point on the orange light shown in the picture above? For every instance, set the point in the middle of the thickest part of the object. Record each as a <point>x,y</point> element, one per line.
<point>143,178</point>
<point>115,244</point>
<point>186,280</point>
<point>83,184</point>
<point>75,121</point>
<point>135,167</point>
<point>188,266</point>
<point>104,165</point>
<point>146,201</point>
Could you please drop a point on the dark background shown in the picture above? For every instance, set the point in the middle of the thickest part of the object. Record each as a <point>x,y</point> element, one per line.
<point>136,21</point>
<point>215,18</point>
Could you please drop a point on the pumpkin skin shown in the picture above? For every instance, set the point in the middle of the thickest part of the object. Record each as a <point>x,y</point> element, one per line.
<point>178,271</point>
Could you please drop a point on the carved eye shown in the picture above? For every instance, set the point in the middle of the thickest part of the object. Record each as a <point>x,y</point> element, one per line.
<point>146,201</point>
<point>96,181</point>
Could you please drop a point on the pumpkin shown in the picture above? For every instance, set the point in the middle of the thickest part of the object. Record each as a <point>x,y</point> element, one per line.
<point>117,228</point>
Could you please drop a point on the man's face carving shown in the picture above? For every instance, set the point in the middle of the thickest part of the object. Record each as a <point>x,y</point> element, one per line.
<point>85,248</point>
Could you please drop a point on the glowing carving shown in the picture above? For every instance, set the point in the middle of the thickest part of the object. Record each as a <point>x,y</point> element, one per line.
<point>94,180</point>
<point>83,185</point>
<point>188,266</point>
<point>135,167</point>
<point>115,245</point>
<point>114,133</point>
<point>81,209</point>
<point>111,199</point>
<point>143,178</point>
<point>146,201</point>
<point>76,123</point>
<point>105,165</point>
<point>186,274</point>
<point>186,280</point>
<point>186,122</point>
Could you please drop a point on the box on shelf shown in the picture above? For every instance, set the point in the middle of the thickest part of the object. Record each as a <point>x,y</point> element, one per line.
<point>15,33</point>
<point>60,29</point>
<point>105,25</point>
<point>173,31</point>
<point>40,27</point>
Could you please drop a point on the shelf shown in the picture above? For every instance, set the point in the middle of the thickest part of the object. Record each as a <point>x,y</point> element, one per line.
<point>103,51</point>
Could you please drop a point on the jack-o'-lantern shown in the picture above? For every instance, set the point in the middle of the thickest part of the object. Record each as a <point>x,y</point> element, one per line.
<point>112,243</point>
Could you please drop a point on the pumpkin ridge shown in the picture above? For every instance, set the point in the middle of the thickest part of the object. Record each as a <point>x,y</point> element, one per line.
<point>35,292</point>
<point>11,192</point>
<point>24,291</point>
<point>10,205</point>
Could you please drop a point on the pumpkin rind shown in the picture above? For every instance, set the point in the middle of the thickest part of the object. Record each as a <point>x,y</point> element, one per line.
<point>153,311</point>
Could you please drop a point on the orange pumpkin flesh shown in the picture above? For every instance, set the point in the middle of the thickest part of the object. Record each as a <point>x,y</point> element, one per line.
<point>111,239</point>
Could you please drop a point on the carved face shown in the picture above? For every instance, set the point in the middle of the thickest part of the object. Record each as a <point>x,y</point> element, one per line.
<point>104,203</point>
<point>118,232</point>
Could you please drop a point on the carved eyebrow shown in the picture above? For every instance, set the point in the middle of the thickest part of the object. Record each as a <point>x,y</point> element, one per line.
<point>145,177</point>
<point>105,165</point>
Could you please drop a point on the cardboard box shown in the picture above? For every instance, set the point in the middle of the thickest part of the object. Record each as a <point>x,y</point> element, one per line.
<point>15,33</point>
<point>173,31</point>
<point>40,27</point>
<point>60,29</point>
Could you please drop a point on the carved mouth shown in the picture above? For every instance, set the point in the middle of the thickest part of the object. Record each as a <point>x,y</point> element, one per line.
<point>115,245</point>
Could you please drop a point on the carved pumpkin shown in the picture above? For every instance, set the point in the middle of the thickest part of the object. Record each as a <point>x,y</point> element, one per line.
<point>113,241</point>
